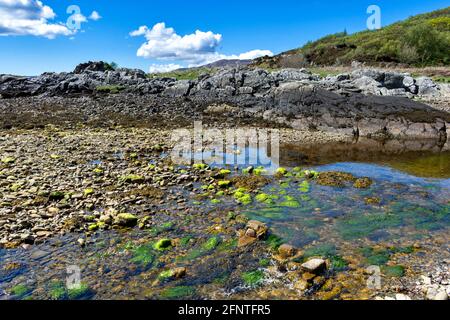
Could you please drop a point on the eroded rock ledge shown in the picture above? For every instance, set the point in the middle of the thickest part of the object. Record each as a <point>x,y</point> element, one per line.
<point>363,103</point>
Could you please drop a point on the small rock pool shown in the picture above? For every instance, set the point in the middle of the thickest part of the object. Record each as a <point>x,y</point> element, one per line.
<point>399,221</point>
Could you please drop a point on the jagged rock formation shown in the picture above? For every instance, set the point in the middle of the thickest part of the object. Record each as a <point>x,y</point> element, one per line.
<point>365,102</point>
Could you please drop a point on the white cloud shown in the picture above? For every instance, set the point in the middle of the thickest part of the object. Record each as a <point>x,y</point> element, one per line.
<point>194,49</point>
<point>250,55</point>
<point>29,17</point>
<point>95,16</point>
<point>158,68</point>
<point>164,43</point>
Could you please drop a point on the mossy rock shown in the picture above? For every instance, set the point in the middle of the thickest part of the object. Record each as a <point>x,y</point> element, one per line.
<point>363,183</point>
<point>132,178</point>
<point>8,160</point>
<point>224,184</point>
<point>126,220</point>
<point>200,166</point>
<point>20,291</point>
<point>143,255</point>
<point>163,244</point>
<point>281,172</point>
<point>250,183</point>
<point>98,171</point>
<point>211,244</point>
<point>56,196</point>
<point>252,278</point>
<point>87,192</point>
<point>304,187</point>
<point>178,292</point>
<point>335,179</point>
<point>244,199</point>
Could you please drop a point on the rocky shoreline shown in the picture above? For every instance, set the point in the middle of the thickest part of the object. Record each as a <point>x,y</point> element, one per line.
<point>85,174</point>
<point>365,102</point>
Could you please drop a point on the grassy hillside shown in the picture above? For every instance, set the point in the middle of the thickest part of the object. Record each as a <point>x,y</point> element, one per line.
<point>422,40</point>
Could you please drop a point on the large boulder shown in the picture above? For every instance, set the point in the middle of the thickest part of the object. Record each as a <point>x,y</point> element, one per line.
<point>99,66</point>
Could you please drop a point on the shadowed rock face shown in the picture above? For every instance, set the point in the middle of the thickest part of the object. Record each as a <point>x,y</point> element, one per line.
<point>364,103</point>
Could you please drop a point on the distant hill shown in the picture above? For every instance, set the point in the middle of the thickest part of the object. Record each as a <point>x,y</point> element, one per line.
<point>421,40</point>
<point>195,72</point>
<point>228,63</point>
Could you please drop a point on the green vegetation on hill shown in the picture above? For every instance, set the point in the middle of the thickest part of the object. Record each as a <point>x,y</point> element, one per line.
<point>422,40</point>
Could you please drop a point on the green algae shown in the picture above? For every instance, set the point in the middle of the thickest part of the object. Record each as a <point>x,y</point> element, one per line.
<point>162,244</point>
<point>132,178</point>
<point>20,291</point>
<point>165,227</point>
<point>290,202</point>
<point>80,292</point>
<point>227,245</point>
<point>178,292</point>
<point>361,226</point>
<point>57,290</point>
<point>304,187</point>
<point>211,243</point>
<point>376,257</point>
<point>264,262</point>
<point>274,241</point>
<point>252,278</point>
<point>397,271</point>
<point>144,255</point>
<point>200,166</point>
<point>323,250</point>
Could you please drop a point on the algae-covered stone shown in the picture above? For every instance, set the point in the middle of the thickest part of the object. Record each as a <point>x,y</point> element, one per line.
<point>56,195</point>
<point>262,197</point>
<point>126,220</point>
<point>253,278</point>
<point>244,199</point>
<point>8,160</point>
<point>175,273</point>
<point>163,244</point>
<point>200,166</point>
<point>132,178</point>
<point>335,179</point>
<point>88,192</point>
<point>363,183</point>
<point>281,172</point>
<point>224,184</point>
<point>79,292</point>
<point>98,171</point>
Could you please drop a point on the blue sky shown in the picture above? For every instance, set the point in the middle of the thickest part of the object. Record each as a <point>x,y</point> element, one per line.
<point>237,29</point>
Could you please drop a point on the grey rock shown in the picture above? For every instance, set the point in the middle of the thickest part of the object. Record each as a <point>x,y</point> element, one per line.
<point>426,86</point>
<point>315,265</point>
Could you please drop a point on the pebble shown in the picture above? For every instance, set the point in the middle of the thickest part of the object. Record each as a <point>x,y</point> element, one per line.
<point>315,265</point>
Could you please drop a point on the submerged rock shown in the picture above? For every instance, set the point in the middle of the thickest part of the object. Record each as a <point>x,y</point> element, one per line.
<point>315,265</point>
<point>334,179</point>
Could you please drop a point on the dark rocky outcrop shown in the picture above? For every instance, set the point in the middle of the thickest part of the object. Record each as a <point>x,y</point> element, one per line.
<point>365,102</point>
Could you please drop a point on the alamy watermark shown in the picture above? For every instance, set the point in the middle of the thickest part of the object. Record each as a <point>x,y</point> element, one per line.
<point>374,20</point>
<point>374,280</point>
<point>73,279</point>
<point>234,147</point>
